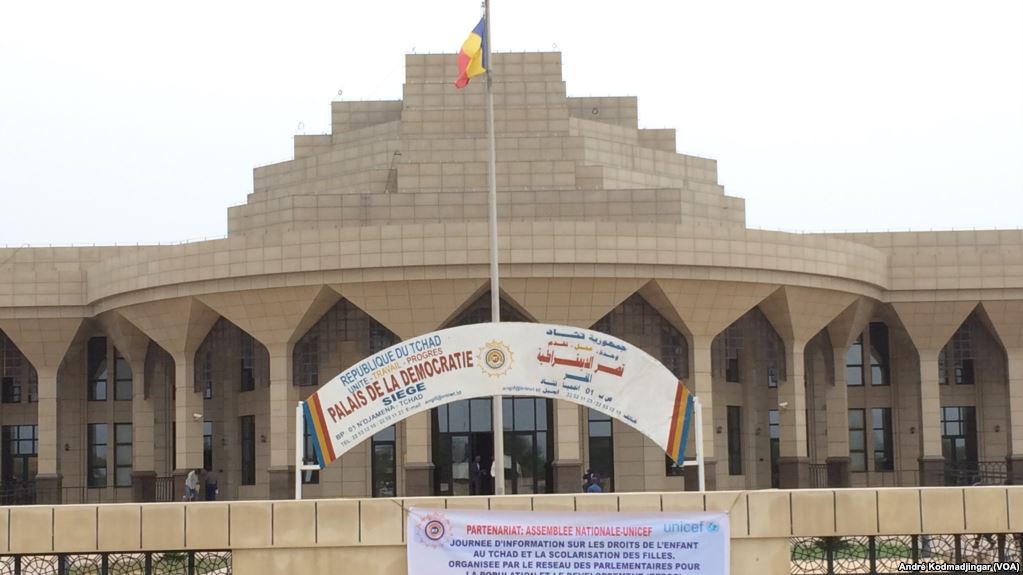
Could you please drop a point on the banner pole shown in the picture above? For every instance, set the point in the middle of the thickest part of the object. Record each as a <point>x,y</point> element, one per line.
<point>702,479</point>
<point>495,288</point>
<point>299,447</point>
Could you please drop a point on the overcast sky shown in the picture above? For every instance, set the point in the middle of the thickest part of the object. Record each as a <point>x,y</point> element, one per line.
<point>140,122</point>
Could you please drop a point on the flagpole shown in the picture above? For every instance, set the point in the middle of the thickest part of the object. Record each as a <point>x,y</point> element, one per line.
<point>495,289</point>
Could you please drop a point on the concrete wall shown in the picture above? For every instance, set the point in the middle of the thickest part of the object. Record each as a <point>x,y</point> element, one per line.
<point>311,536</point>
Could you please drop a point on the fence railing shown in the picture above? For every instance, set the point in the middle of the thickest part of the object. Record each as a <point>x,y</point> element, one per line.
<point>818,475</point>
<point>28,493</point>
<point>144,563</point>
<point>884,554</point>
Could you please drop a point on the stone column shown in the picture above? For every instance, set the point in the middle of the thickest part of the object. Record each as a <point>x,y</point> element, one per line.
<point>837,411</point>
<point>930,325</point>
<point>842,332</point>
<point>1015,457</point>
<point>143,465</point>
<point>932,463</point>
<point>48,471</point>
<point>568,465</point>
<point>798,315</point>
<point>418,460</point>
<point>1006,317</point>
<point>188,428</point>
<point>44,342</point>
<point>277,318</point>
<point>282,423</point>
<point>134,345</point>
<point>793,463</point>
<point>702,385</point>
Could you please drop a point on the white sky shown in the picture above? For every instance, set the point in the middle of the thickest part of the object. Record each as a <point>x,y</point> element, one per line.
<point>139,122</point>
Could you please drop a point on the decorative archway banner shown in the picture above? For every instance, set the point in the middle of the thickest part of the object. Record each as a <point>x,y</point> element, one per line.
<point>583,366</point>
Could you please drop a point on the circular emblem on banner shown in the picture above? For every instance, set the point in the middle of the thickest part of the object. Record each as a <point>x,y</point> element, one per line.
<point>713,527</point>
<point>497,358</point>
<point>434,530</point>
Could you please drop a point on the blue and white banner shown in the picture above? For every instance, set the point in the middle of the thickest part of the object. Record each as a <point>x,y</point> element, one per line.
<point>454,542</point>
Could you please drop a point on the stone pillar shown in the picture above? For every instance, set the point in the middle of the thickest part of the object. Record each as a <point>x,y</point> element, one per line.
<point>143,474</point>
<point>188,428</point>
<point>418,460</point>
<point>702,386</point>
<point>48,479</point>
<point>837,411</point>
<point>1015,457</point>
<point>282,423</point>
<point>44,342</point>
<point>932,464</point>
<point>568,466</point>
<point>793,463</point>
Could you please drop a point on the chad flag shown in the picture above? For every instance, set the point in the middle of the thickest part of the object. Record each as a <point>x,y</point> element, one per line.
<point>472,59</point>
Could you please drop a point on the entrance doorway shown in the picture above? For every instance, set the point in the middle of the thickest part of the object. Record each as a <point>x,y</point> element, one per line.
<point>463,438</point>
<point>959,444</point>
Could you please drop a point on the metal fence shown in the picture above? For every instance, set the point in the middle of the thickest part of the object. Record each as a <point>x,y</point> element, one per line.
<point>885,554</point>
<point>147,563</point>
<point>28,493</point>
<point>818,475</point>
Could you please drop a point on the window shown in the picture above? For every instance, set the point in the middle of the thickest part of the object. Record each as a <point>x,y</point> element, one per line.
<point>857,440</point>
<point>879,359</point>
<point>774,434</point>
<point>309,458</point>
<point>384,477</point>
<point>734,440</point>
<point>122,378</point>
<point>207,445</point>
<point>601,448</point>
<point>733,342</point>
<point>956,358</point>
<point>122,454</point>
<point>97,365</point>
<point>308,361</point>
<point>97,455</point>
<point>11,390</point>
<point>881,425</point>
<point>247,423</point>
<point>20,447</point>
<point>207,376</point>
<point>854,363</point>
<point>248,363</point>
<point>964,372</point>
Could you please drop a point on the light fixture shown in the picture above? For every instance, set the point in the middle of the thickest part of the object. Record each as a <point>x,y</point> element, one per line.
<point>912,430</point>
<point>262,439</point>
<point>757,432</point>
<point>719,430</point>
<point>67,447</point>
<point>997,428</point>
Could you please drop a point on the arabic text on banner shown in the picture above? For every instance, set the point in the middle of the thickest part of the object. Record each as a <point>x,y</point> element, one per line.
<point>452,542</point>
<point>583,366</point>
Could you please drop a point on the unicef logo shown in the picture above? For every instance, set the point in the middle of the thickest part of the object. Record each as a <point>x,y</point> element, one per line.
<point>713,527</point>
<point>497,358</point>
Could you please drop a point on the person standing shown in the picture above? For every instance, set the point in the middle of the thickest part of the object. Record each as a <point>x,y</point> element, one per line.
<point>493,476</point>
<point>211,486</point>
<point>593,485</point>
<point>474,476</point>
<point>191,485</point>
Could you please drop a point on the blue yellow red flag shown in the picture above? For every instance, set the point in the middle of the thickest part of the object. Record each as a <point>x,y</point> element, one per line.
<point>472,58</point>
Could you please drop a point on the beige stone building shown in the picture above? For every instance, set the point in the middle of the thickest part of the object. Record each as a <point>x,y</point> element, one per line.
<point>821,359</point>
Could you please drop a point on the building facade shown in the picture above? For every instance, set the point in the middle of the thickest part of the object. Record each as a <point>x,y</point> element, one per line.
<point>821,359</point>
